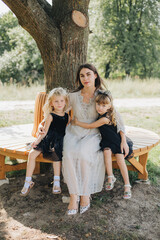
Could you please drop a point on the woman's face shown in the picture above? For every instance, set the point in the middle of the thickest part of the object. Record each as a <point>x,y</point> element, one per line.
<point>87,77</point>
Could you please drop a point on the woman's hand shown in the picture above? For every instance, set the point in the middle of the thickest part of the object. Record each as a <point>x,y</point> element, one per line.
<point>74,121</point>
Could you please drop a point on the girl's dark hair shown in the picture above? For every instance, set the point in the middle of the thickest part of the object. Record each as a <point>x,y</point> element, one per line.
<point>98,81</point>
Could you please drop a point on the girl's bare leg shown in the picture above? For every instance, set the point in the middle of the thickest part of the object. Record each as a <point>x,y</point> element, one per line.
<point>30,168</point>
<point>56,179</point>
<point>31,162</point>
<point>124,171</point>
<point>108,163</point>
<point>57,168</point>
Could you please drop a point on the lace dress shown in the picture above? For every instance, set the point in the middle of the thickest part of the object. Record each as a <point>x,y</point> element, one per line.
<point>83,163</point>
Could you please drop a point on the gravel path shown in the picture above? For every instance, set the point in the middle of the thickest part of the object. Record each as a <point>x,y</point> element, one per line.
<point>125,103</point>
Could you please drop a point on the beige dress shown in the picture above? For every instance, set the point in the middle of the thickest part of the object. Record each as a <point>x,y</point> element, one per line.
<point>83,162</point>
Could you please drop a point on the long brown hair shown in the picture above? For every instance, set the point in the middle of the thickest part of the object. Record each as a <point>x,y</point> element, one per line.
<point>98,81</point>
<point>105,97</point>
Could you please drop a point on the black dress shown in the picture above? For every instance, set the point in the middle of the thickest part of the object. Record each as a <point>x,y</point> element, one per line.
<point>54,138</point>
<point>112,140</point>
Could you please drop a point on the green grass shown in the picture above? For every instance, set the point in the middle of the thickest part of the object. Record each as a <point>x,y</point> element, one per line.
<point>14,92</point>
<point>8,118</point>
<point>126,88</point>
<point>147,118</point>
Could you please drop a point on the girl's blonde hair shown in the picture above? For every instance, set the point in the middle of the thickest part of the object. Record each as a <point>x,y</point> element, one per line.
<point>48,108</point>
<point>105,97</point>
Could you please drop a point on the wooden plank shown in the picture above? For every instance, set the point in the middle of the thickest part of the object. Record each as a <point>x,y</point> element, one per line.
<point>2,167</point>
<point>16,167</point>
<point>143,161</point>
<point>137,165</point>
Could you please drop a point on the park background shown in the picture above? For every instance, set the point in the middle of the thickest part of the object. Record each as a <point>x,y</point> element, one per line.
<point>127,58</point>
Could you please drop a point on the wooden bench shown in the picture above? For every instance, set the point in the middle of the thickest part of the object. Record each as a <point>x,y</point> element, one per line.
<point>15,148</point>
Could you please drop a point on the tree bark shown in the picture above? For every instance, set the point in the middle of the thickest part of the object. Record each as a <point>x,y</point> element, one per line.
<point>62,44</point>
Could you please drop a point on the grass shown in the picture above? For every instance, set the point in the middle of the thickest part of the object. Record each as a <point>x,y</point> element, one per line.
<point>147,118</point>
<point>8,118</point>
<point>126,88</point>
<point>15,92</point>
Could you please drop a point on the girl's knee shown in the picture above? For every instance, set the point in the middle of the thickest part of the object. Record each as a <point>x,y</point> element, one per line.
<point>120,159</point>
<point>107,152</point>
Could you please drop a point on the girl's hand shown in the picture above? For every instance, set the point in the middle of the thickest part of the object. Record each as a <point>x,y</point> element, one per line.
<point>34,144</point>
<point>124,148</point>
<point>41,129</point>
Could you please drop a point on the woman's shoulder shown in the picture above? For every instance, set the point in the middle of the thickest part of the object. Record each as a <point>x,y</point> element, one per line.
<point>73,95</point>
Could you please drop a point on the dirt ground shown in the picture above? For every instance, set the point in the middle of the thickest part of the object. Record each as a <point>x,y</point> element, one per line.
<point>41,215</point>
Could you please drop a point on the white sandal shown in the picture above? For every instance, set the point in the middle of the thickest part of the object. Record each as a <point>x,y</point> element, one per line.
<point>56,189</point>
<point>127,194</point>
<point>25,191</point>
<point>110,185</point>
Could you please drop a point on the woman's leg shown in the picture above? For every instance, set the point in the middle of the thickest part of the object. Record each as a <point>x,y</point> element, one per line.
<point>84,201</point>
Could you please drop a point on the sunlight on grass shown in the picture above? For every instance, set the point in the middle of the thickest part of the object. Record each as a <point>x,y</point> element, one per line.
<point>129,88</point>
<point>14,92</point>
<point>126,88</point>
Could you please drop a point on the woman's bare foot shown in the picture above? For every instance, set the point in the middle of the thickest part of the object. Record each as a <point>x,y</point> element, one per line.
<point>73,204</point>
<point>84,201</point>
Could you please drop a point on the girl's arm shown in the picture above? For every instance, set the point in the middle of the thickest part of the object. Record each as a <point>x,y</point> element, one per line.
<point>41,128</point>
<point>95,124</point>
<point>47,124</point>
<point>124,145</point>
<point>121,130</point>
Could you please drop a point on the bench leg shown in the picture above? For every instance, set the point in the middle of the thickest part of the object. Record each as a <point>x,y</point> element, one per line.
<point>2,167</point>
<point>143,161</point>
<point>37,168</point>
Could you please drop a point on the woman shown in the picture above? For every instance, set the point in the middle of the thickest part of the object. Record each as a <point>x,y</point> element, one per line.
<point>83,162</point>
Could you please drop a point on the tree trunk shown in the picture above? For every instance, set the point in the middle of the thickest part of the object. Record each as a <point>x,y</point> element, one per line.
<point>62,43</point>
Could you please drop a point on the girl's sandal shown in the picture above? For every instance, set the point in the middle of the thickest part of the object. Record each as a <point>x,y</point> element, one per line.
<point>25,191</point>
<point>56,190</point>
<point>110,185</point>
<point>127,194</point>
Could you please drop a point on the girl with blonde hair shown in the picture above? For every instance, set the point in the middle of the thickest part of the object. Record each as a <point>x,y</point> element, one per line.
<point>50,143</point>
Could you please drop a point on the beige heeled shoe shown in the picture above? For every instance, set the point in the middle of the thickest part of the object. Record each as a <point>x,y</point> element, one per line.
<point>73,211</point>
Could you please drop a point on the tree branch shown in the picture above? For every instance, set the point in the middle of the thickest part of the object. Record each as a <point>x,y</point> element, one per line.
<point>35,16</point>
